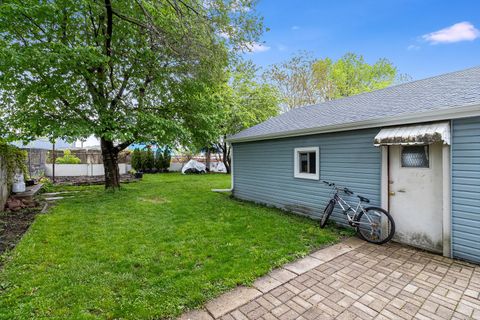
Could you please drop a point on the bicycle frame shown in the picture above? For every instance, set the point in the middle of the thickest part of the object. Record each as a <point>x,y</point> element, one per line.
<point>372,224</point>
<point>346,208</point>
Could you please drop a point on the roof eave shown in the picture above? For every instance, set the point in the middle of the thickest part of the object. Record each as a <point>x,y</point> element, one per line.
<point>436,115</point>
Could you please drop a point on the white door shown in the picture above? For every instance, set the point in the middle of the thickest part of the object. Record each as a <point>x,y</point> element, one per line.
<point>415,194</point>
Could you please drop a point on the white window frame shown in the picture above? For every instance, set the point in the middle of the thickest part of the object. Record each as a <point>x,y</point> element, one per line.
<point>302,175</point>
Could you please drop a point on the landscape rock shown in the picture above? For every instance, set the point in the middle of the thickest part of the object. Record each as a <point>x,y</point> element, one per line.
<point>14,204</point>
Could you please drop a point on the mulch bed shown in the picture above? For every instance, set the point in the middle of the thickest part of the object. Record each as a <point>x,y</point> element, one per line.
<point>13,225</point>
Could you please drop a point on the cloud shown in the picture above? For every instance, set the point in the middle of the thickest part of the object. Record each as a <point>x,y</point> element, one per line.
<point>295,28</point>
<point>256,47</point>
<point>282,47</point>
<point>462,31</point>
<point>413,47</point>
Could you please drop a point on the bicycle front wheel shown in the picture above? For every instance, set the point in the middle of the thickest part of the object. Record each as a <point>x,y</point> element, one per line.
<point>326,213</point>
<point>375,225</point>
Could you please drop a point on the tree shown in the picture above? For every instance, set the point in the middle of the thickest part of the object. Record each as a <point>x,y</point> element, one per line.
<point>125,71</point>
<point>245,103</point>
<point>294,81</point>
<point>351,75</point>
<point>303,80</point>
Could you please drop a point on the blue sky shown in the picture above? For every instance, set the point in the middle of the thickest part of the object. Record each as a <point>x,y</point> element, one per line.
<point>422,38</point>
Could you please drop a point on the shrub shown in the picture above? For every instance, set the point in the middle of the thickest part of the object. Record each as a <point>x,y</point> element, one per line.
<point>47,184</point>
<point>13,159</point>
<point>167,157</point>
<point>137,160</point>
<point>162,159</point>
<point>143,160</point>
<point>68,158</point>
<point>149,160</point>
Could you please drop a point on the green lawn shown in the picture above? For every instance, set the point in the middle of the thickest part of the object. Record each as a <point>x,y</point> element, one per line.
<point>152,250</point>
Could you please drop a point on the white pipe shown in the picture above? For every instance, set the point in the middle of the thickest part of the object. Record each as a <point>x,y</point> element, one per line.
<point>222,190</point>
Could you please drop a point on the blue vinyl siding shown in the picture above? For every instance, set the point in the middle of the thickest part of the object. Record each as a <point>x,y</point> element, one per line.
<point>264,170</point>
<point>466,189</point>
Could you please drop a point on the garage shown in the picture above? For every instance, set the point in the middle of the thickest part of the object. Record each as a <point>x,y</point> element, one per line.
<point>466,189</point>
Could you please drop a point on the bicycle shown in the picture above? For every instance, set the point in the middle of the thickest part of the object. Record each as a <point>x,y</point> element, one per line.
<point>373,224</point>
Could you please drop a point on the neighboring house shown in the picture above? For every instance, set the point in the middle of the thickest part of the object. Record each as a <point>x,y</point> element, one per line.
<point>38,150</point>
<point>413,148</point>
<point>44,144</point>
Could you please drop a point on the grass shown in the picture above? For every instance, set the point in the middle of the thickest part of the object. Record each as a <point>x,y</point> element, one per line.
<point>152,250</point>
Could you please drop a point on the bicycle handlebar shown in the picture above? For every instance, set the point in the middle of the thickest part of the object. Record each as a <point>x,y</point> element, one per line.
<point>331,184</point>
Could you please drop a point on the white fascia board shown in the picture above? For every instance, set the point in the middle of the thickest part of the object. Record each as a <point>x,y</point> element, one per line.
<point>436,115</point>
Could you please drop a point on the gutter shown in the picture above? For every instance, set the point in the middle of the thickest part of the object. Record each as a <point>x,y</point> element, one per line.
<point>436,115</point>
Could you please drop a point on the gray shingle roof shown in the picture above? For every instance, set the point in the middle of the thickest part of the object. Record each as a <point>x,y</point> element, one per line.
<point>447,91</point>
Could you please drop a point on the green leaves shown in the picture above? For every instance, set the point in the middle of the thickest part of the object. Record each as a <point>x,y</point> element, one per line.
<point>246,102</point>
<point>13,159</point>
<point>146,74</point>
<point>303,80</point>
<point>68,158</point>
<point>351,75</point>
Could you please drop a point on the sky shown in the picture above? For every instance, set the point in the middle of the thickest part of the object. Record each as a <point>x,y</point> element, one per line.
<point>422,38</point>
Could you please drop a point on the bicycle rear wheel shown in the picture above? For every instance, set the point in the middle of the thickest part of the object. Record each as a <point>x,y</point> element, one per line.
<point>326,213</point>
<point>375,225</point>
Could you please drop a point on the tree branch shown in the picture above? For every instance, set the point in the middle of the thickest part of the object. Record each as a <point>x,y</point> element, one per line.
<point>128,19</point>
<point>123,145</point>
<point>108,40</point>
<point>94,26</point>
<point>119,94</point>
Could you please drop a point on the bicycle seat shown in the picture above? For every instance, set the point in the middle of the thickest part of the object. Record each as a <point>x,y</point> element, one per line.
<point>363,199</point>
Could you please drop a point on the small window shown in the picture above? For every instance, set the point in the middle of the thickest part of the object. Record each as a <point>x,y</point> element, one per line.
<point>415,157</point>
<point>306,163</point>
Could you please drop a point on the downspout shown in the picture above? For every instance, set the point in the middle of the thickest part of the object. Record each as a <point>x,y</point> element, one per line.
<point>388,178</point>
<point>451,187</point>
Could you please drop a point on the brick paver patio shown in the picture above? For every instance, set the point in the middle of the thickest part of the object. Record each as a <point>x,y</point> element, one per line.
<point>357,280</point>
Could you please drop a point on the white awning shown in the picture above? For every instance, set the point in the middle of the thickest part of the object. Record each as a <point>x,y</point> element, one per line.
<point>414,135</point>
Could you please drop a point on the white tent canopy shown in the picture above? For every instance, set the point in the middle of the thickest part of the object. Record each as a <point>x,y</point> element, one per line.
<point>414,135</point>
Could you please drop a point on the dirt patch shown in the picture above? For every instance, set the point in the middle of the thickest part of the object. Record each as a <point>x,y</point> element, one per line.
<point>154,200</point>
<point>13,225</point>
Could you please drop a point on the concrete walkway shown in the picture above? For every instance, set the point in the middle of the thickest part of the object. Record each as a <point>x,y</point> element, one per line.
<point>357,280</point>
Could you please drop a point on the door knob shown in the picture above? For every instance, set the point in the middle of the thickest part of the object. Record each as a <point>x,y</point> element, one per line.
<point>392,193</point>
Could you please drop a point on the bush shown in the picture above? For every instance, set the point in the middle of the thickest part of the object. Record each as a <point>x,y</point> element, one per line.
<point>47,184</point>
<point>68,158</point>
<point>146,160</point>
<point>166,159</point>
<point>13,159</point>
<point>149,160</point>
<point>162,159</point>
<point>137,160</point>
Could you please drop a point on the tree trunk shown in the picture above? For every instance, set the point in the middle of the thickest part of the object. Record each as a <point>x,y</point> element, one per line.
<point>226,157</point>
<point>110,164</point>
<point>208,154</point>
